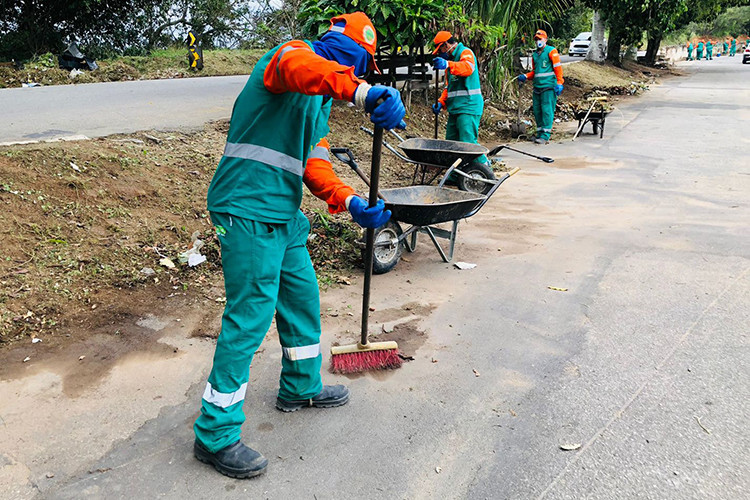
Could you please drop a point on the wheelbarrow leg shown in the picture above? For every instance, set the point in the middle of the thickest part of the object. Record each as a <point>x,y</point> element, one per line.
<point>434,233</point>
<point>601,128</point>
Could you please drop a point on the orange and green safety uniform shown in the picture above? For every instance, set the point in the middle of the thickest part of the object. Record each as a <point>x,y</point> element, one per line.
<point>546,73</point>
<point>690,51</point>
<point>699,51</point>
<point>709,51</point>
<point>275,144</point>
<point>462,97</point>
<point>733,48</point>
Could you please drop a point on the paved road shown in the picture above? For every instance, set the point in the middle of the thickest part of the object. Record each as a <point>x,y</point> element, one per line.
<point>100,109</point>
<point>643,361</point>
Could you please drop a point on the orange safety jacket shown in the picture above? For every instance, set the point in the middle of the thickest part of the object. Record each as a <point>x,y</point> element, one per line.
<point>554,57</point>
<point>297,68</point>
<point>464,67</point>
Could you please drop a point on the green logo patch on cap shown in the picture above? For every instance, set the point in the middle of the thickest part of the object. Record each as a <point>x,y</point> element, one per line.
<point>368,34</point>
<point>221,231</point>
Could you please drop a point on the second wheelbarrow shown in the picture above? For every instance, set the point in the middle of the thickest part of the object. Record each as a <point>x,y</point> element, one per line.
<point>432,157</point>
<point>422,207</point>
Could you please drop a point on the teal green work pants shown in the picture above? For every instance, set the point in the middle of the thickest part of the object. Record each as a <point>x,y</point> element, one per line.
<point>465,128</point>
<point>699,55</point>
<point>267,270</point>
<point>545,102</point>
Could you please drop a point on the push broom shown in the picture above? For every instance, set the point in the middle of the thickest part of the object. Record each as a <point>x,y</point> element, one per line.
<point>366,355</point>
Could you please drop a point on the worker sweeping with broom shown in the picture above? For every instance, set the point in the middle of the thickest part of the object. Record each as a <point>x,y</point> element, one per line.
<point>275,144</point>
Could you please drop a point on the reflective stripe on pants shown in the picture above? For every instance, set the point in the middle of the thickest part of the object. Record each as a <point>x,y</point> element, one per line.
<point>266,269</point>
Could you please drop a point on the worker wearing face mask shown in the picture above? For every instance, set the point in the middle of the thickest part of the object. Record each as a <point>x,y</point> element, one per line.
<point>547,76</point>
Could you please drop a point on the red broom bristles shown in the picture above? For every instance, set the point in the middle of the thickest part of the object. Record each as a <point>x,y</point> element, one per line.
<point>356,362</point>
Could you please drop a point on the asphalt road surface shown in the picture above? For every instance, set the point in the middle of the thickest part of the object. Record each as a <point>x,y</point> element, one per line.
<point>101,109</point>
<point>638,364</point>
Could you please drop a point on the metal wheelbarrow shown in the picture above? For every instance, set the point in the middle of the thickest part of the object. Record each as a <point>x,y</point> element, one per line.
<point>431,157</point>
<point>422,207</point>
<point>597,119</point>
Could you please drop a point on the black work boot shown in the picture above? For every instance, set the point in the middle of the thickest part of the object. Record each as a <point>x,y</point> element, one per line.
<point>236,460</point>
<point>329,397</point>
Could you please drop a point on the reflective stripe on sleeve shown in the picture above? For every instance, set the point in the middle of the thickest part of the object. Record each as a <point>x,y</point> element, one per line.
<point>458,93</point>
<point>224,399</point>
<point>301,352</point>
<point>264,155</point>
<point>320,152</point>
<point>556,65</point>
<point>282,52</point>
<point>541,75</point>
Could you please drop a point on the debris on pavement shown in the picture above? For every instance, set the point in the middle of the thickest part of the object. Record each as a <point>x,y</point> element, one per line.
<point>36,340</point>
<point>698,419</point>
<point>570,446</point>
<point>81,358</point>
<point>464,265</point>
<point>476,373</point>
<point>557,289</point>
<point>438,469</point>
<point>26,359</point>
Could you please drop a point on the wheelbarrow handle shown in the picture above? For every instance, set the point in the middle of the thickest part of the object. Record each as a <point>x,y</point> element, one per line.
<point>448,172</point>
<point>387,145</point>
<point>345,155</point>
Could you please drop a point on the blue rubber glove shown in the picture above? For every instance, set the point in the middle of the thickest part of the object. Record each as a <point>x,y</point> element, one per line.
<point>439,63</point>
<point>521,79</point>
<point>389,113</point>
<point>558,89</point>
<point>437,107</point>
<point>366,216</point>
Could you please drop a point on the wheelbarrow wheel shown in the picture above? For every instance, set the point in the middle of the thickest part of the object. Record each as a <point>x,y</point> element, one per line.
<point>385,257</point>
<point>476,171</point>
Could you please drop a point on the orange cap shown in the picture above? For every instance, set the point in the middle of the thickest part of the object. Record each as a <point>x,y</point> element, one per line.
<point>359,28</point>
<point>440,39</point>
<point>540,34</point>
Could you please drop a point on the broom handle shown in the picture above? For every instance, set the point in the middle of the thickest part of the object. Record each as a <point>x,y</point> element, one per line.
<point>437,97</point>
<point>377,147</point>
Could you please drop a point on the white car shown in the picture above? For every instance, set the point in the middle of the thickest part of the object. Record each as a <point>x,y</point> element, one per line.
<point>580,44</point>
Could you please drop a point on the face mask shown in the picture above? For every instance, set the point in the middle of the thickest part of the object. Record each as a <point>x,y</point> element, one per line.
<point>541,43</point>
<point>445,55</point>
<point>342,49</point>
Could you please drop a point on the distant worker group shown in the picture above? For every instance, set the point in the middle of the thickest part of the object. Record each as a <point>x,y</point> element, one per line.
<point>725,48</point>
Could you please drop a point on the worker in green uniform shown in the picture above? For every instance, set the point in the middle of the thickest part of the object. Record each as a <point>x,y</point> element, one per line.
<point>699,51</point>
<point>690,51</point>
<point>709,51</point>
<point>547,75</point>
<point>725,48</point>
<point>733,48</point>
<point>463,95</point>
<point>275,144</point>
